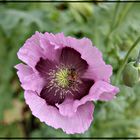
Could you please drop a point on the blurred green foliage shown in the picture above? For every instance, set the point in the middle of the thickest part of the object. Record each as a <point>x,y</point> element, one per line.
<point>112,27</point>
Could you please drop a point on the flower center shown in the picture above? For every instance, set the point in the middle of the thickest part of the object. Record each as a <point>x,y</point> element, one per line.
<point>66,77</point>
<point>62,77</point>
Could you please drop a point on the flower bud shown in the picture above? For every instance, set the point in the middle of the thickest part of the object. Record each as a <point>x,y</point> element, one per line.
<point>131,74</point>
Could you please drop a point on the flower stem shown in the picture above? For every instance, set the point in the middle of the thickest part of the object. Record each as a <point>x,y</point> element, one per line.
<point>118,17</point>
<point>138,60</point>
<point>112,23</point>
<point>125,60</point>
<point>123,14</point>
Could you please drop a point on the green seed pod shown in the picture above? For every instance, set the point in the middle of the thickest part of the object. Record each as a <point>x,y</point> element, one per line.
<point>131,74</point>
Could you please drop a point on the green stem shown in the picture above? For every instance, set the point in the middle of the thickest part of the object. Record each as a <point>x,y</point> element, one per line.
<point>138,60</point>
<point>118,17</point>
<point>115,16</point>
<point>112,23</point>
<point>125,60</point>
<point>123,14</point>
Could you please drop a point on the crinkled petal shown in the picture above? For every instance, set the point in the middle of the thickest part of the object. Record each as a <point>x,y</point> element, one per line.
<point>67,108</point>
<point>78,123</point>
<point>101,72</point>
<point>50,50</point>
<point>59,40</point>
<point>29,80</point>
<point>23,71</point>
<point>101,90</point>
<point>31,51</point>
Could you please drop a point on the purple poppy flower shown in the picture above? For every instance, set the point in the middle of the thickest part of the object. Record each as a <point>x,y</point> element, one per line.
<point>62,77</point>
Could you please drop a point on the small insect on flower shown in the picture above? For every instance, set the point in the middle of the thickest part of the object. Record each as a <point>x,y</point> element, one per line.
<point>62,76</point>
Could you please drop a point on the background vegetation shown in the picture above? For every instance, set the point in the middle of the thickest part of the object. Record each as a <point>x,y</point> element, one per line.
<point>112,27</point>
